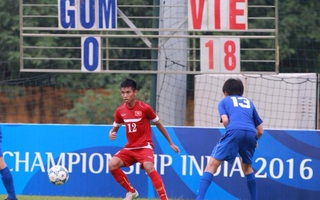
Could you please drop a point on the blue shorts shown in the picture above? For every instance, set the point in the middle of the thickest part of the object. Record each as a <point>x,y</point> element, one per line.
<point>234,143</point>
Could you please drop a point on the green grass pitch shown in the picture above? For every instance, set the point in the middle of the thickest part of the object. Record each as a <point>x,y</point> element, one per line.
<point>27,197</point>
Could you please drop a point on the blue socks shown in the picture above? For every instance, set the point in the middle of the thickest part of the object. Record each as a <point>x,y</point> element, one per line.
<point>207,178</point>
<point>204,184</point>
<point>8,182</point>
<point>251,182</point>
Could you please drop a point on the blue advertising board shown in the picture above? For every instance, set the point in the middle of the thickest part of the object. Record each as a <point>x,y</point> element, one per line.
<point>286,162</point>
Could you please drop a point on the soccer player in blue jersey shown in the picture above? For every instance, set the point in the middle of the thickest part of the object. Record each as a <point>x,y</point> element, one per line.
<point>243,128</point>
<point>6,175</point>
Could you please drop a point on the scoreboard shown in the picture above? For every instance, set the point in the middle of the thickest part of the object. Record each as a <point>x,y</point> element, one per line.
<point>88,15</point>
<point>219,28</point>
<point>219,55</point>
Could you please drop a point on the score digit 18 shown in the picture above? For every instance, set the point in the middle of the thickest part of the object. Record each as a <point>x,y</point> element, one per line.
<point>220,55</point>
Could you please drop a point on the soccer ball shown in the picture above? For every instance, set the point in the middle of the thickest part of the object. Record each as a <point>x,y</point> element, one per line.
<point>58,175</point>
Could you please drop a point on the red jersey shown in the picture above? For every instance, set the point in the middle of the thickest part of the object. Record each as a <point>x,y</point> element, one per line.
<point>137,122</point>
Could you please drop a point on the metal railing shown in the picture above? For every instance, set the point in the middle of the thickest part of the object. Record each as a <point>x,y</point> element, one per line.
<point>129,48</point>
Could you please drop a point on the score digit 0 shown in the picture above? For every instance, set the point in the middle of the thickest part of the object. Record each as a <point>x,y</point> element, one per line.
<point>90,54</point>
<point>220,55</point>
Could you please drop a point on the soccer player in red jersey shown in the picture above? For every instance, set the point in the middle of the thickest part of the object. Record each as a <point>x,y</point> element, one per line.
<point>136,116</point>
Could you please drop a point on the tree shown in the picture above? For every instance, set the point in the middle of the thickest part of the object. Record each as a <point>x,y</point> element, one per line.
<point>9,39</point>
<point>299,39</point>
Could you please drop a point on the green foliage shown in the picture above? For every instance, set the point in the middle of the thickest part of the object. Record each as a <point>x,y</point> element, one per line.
<point>299,39</point>
<point>299,28</point>
<point>9,39</point>
<point>95,96</point>
<point>94,108</point>
<point>12,92</point>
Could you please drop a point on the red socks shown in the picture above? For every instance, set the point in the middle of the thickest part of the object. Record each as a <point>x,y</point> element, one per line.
<point>156,180</point>
<point>122,179</point>
<point>158,184</point>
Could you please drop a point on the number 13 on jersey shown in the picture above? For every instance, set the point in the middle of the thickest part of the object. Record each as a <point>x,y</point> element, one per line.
<point>220,55</point>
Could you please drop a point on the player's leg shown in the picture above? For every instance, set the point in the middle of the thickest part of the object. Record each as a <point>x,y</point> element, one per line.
<point>146,158</point>
<point>207,176</point>
<point>115,164</point>
<point>251,180</point>
<point>156,179</point>
<point>226,149</point>
<point>6,177</point>
<point>246,152</point>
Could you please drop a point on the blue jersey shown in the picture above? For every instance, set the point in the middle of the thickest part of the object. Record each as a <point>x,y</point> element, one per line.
<point>241,112</point>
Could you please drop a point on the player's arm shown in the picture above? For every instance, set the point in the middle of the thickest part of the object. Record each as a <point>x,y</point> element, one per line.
<point>166,135</point>
<point>258,123</point>
<point>113,132</point>
<point>259,131</point>
<point>224,120</point>
<point>116,125</point>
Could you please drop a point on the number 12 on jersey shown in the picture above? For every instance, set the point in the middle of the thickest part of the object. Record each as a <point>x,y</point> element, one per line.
<point>220,55</point>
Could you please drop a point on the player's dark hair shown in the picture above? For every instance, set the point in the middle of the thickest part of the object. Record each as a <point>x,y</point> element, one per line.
<point>233,87</point>
<point>129,83</point>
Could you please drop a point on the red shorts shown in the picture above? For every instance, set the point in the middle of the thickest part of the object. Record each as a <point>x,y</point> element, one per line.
<point>130,157</point>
